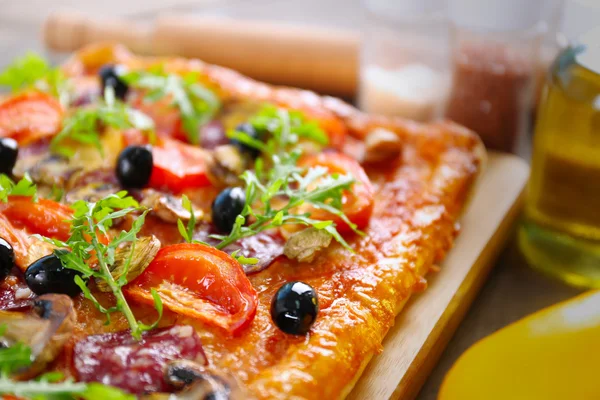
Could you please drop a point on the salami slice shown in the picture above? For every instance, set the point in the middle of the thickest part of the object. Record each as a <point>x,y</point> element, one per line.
<point>117,359</point>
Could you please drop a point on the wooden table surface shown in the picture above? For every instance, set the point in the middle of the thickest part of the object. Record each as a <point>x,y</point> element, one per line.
<point>512,291</point>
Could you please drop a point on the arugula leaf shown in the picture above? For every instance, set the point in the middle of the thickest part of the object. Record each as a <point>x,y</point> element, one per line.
<point>196,104</point>
<point>286,180</point>
<point>31,70</point>
<point>244,260</point>
<point>85,124</point>
<point>14,357</point>
<point>187,232</point>
<point>89,230</point>
<point>24,187</point>
<point>49,389</point>
<point>24,71</point>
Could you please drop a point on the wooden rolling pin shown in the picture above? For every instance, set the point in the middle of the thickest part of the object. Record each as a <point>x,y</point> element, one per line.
<point>321,59</point>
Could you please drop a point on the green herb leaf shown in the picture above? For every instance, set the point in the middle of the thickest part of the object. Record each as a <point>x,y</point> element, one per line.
<point>31,70</point>
<point>67,390</point>
<point>24,71</point>
<point>98,391</point>
<point>187,233</point>
<point>244,260</point>
<point>286,180</point>
<point>86,123</point>
<point>14,357</point>
<point>90,226</point>
<point>24,187</point>
<point>196,104</point>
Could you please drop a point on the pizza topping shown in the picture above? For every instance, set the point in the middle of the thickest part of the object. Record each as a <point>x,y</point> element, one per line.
<point>225,165</point>
<point>31,70</point>
<point>134,167</point>
<point>273,196</point>
<point>178,166</point>
<point>29,117</point>
<point>294,308</point>
<point>382,145</point>
<point>131,259</point>
<point>47,169</point>
<point>355,206</point>
<point>9,150</point>
<point>43,331</point>
<point>44,217</point>
<point>197,383</point>
<point>136,366</point>
<point>249,133</point>
<point>196,104</point>
<point>88,237</point>
<point>201,282</point>
<point>257,252</point>
<point>182,373</point>
<point>85,124</point>
<point>212,135</point>
<point>7,258</point>
<point>110,75</point>
<point>48,275</point>
<point>226,207</point>
<point>170,208</point>
<point>305,245</point>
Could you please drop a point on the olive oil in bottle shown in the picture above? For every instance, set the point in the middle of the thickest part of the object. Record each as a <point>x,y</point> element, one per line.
<point>560,233</point>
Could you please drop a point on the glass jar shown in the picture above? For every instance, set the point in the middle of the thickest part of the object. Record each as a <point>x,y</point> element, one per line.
<point>560,233</point>
<point>495,56</point>
<point>405,59</point>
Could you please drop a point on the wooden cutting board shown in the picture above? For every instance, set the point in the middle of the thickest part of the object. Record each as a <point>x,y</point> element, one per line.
<point>423,328</point>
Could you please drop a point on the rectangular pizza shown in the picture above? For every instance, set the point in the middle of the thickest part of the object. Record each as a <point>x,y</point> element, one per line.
<point>171,229</point>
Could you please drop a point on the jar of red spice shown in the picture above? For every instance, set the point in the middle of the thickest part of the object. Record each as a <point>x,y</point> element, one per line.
<point>495,56</point>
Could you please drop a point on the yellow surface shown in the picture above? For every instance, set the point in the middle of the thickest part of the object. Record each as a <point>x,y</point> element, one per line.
<point>552,354</point>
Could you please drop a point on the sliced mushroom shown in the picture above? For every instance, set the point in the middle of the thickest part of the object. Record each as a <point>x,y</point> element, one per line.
<point>182,373</point>
<point>45,329</point>
<point>133,265</point>
<point>381,145</point>
<point>307,244</point>
<point>225,165</point>
<point>168,207</point>
<point>47,169</point>
<point>91,192</point>
<point>195,383</point>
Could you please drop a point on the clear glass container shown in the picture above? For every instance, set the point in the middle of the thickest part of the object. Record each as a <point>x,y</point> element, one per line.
<point>560,233</point>
<point>405,59</point>
<point>495,60</point>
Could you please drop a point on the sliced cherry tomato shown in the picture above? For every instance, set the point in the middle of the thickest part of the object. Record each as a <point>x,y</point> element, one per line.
<point>177,166</point>
<point>45,217</point>
<point>29,117</point>
<point>358,202</point>
<point>201,282</point>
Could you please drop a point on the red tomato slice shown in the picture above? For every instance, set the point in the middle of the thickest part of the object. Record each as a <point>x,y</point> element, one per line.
<point>358,202</point>
<point>201,282</point>
<point>177,166</point>
<point>29,117</point>
<point>46,217</point>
